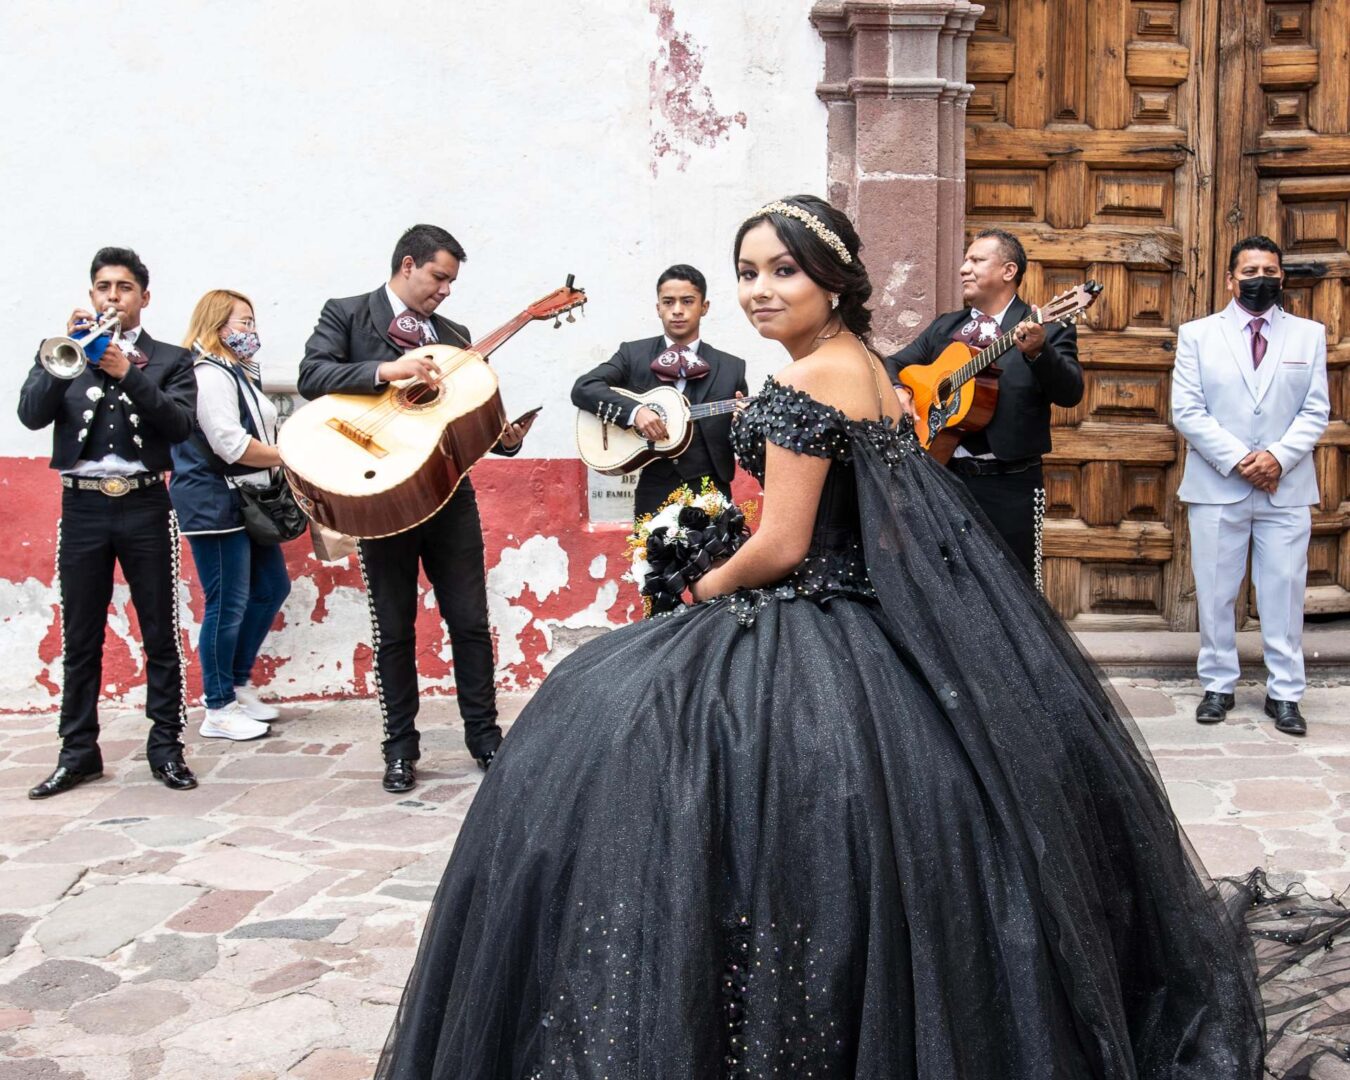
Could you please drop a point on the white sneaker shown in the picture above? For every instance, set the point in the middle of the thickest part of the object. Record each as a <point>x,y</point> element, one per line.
<point>247,699</point>
<point>232,723</point>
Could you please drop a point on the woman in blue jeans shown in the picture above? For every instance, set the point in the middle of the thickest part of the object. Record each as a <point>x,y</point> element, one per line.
<point>234,444</point>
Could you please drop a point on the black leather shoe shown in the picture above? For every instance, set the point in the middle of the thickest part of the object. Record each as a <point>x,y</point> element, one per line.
<point>1286,716</point>
<point>1213,707</point>
<point>399,775</point>
<point>175,775</point>
<point>62,779</point>
<point>484,760</point>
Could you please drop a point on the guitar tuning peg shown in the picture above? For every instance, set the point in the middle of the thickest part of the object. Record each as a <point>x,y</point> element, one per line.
<point>571,317</point>
<point>557,322</point>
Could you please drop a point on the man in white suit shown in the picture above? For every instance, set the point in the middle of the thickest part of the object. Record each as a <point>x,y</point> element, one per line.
<point>1249,394</point>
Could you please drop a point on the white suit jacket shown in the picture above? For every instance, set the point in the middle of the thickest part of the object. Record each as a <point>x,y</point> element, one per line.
<point>1224,409</point>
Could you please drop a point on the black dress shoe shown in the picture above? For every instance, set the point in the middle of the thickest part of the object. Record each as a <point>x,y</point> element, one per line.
<point>1286,716</point>
<point>1213,707</point>
<point>399,775</point>
<point>484,760</point>
<point>62,779</point>
<point>175,775</point>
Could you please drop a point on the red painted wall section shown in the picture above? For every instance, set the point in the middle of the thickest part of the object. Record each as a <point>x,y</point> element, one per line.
<point>553,580</point>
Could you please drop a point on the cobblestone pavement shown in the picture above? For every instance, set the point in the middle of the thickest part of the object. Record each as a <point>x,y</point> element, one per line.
<point>262,925</point>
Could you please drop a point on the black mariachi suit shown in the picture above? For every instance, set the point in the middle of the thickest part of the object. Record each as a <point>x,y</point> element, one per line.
<point>342,356</point>
<point>95,415</point>
<point>1019,432</point>
<point>709,453</point>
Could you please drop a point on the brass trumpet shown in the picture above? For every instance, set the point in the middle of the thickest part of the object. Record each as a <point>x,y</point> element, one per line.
<point>66,357</point>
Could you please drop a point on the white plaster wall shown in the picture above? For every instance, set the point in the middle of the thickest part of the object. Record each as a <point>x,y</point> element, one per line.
<point>280,148</point>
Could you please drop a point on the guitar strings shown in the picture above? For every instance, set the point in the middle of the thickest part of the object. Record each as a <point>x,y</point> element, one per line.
<point>384,412</point>
<point>389,410</point>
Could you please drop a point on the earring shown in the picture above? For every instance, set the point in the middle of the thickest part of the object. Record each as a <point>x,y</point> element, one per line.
<point>834,301</point>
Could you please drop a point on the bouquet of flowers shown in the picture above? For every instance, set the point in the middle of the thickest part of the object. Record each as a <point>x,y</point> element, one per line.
<point>677,545</point>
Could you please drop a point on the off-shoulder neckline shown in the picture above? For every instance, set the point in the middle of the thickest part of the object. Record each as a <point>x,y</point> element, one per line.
<point>885,422</point>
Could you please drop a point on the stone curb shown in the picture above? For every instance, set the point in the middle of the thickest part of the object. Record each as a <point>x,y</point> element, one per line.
<point>1169,653</point>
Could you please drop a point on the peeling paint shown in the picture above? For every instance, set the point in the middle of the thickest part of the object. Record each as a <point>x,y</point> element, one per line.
<point>317,657</point>
<point>565,636</point>
<point>539,564</point>
<point>685,106</point>
<point>549,579</point>
<point>20,602</point>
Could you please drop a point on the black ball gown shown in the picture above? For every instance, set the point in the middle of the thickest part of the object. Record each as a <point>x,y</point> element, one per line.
<point>880,820</point>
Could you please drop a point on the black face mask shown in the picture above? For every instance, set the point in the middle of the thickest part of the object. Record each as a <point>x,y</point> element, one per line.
<point>1258,294</point>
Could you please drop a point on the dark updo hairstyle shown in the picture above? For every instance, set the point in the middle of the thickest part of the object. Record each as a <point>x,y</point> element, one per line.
<point>819,260</point>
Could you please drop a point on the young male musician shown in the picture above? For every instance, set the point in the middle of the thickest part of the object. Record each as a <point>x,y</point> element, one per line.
<point>1249,394</point>
<point>358,347</point>
<point>1001,464</point>
<point>680,359</point>
<point>112,427</point>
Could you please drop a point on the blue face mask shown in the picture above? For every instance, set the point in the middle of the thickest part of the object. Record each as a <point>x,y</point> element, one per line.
<point>243,343</point>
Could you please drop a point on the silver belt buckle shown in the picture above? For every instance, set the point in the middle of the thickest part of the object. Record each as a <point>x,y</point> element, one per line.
<point>114,485</point>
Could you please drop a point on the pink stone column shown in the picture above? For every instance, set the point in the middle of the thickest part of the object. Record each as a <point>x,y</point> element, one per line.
<point>896,91</point>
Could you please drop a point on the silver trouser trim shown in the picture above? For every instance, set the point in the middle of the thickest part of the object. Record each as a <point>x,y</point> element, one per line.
<point>61,595</point>
<point>374,638</point>
<point>1039,519</point>
<point>176,549</point>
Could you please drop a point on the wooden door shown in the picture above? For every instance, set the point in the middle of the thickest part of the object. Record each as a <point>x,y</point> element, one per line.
<point>1082,139</point>
<point>1285,87</point>
<point>1115,142</point>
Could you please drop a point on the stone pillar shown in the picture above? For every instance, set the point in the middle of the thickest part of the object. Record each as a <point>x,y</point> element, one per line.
<point>896,91</point>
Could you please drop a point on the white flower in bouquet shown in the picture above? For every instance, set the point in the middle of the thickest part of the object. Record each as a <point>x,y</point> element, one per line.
<point>668,519</point>
<point>637,573</point>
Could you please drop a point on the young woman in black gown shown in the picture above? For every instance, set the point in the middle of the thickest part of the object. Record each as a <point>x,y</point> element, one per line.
<point>863,810</point>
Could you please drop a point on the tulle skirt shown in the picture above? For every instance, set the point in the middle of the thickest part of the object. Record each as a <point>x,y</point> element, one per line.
<point>844,836</point>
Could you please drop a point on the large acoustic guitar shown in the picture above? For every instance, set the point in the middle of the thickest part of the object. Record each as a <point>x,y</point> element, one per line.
<point>614,450</point>
<point>956,393</point>
<point>377,465</point>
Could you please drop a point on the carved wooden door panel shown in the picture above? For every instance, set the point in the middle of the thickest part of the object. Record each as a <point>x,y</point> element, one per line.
<point>1090,136</point>
<point>1285,85</point>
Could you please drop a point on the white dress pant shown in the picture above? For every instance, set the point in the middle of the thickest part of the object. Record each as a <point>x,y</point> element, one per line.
<point>1220,534</point>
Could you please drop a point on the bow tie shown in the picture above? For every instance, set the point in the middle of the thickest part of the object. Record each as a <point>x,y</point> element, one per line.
<point>409,331</point>
<point>978,331</point>
<point>132,353</point>
<point>678,363</point>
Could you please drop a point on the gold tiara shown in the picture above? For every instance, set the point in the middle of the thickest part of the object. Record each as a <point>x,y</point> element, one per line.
<point>811,222</point>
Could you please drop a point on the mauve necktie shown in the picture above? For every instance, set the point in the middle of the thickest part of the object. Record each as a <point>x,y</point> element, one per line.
<point>408,331</point>
<point>1258,342</point>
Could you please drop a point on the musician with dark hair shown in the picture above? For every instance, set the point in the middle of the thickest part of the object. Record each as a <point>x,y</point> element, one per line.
<point>677,357</point>
<point>113,421</point>
<point>358,347</point>
<point>1001,463</point>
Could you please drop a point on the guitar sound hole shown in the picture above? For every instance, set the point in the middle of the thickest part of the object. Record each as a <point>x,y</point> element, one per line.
<point>944,390</point>
<point>370,474</point>
<point>418,395</point>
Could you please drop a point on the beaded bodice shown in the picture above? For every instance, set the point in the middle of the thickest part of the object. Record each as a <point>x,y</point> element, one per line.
<point>796,421</point>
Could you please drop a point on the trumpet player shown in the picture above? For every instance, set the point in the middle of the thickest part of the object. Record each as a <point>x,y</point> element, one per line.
<point>113,420</point>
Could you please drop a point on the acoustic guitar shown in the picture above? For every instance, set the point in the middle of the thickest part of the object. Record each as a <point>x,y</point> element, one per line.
<point>613,450</point>
<point>956,393</point>
<point>372,466</point>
